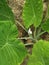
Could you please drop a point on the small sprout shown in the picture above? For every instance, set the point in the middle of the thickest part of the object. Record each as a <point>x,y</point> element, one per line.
<point>29,31</point>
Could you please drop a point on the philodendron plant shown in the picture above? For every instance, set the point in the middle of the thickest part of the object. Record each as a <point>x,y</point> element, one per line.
<point>12,50</point>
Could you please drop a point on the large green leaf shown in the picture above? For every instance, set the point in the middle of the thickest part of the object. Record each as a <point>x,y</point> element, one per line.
<point>12,51</point>
<point>32,12</point>
<point>45,26</point>
<point>5,11</point>
<point>40,54</point>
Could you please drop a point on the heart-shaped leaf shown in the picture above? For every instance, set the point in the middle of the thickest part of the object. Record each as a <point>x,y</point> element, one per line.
<point>40,54</point>
<point>32,12</point>
<point>12,51</point>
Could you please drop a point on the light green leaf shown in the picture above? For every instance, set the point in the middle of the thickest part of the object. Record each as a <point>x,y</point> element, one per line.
<point>45,26</point>
<point>5,11</point>
<point>32,12</point>
<point>12,50</point>
<point>40,54</point>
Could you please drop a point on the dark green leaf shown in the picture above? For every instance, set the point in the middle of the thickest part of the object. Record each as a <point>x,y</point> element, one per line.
<point>45,26</point>
<point>5,11</point>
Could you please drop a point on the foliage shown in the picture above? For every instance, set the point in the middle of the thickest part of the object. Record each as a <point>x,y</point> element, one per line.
<point>12,50</point>
<point>40,54</point>
<point>45,26</point>
<point>4,9</point>
<point>32,12</point>
<point>10,46</point>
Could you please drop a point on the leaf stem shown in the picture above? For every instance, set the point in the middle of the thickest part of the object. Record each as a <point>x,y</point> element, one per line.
<point>28,44</point>
<point>35,35</point>
<point>26,38</point>
<point>21,25</point>
<point>40,34</point>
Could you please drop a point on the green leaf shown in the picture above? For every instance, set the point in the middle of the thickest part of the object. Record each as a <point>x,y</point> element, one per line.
<point>12,50</point>
<point>45,26</point>
<point>5,11</point>
<point>40,54</point>
<point>32,12</point>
